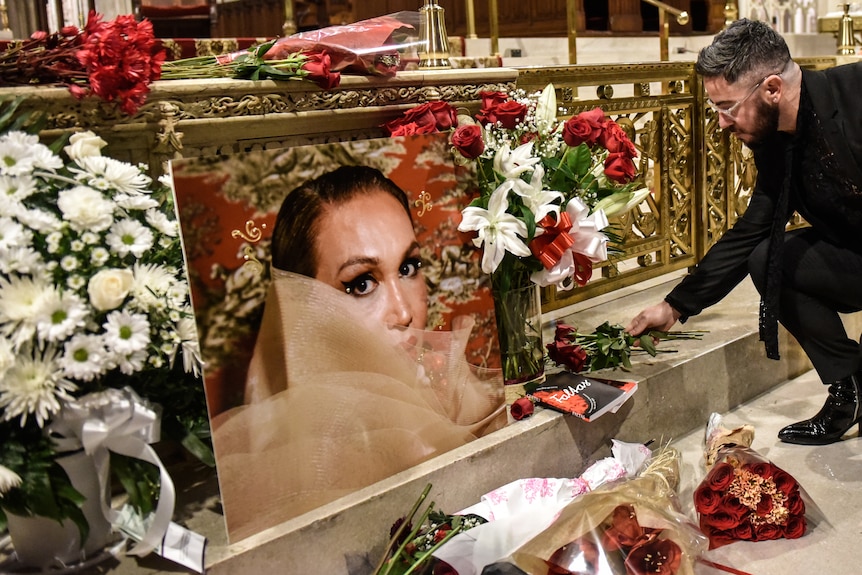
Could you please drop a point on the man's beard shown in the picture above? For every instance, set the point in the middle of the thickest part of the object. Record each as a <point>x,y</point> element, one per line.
<point>766,124</point>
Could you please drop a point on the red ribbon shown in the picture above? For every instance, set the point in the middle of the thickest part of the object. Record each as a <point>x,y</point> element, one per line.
<point>551,245</point>
<point>583,269</point>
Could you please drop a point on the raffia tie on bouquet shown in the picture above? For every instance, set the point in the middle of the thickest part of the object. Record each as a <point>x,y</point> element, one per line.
<point>118,421</point>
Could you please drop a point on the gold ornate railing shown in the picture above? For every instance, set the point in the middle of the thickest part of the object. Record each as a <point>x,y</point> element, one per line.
<point>700,181</point>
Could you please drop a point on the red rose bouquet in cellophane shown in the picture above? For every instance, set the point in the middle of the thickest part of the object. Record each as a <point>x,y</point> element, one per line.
<point>632,527</point>
<point>746,497</point>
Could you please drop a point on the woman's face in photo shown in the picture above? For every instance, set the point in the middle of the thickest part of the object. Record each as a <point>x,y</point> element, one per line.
<point>366,248</point>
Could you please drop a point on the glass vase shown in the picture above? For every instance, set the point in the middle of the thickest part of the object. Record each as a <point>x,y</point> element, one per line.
<point>519,326</point>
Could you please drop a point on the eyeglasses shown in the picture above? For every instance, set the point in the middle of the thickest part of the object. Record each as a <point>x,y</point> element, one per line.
<point>731,111</point>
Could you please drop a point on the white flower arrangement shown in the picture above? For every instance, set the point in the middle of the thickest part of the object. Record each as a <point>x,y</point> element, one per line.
<point>93,299</point>
<point>91,275</point>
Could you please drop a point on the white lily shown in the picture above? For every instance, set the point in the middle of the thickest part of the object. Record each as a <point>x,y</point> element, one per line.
<point>546,109</point>
<point>537,199</point>
<point>621,202</point>
<point>512,163</point>
<point>498,231</point>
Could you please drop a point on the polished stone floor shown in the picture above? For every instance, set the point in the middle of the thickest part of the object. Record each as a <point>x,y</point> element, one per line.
<point>832,476</point>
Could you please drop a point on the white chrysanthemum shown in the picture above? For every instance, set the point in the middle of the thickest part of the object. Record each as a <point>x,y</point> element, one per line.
<point>76,246</point>
<point>40,220</point>
<point>151,285</point>
<point>130,363</point>
<point>69,263</point>
<point>90,238</point>
<point>45,159</point>
<point>104,173</point>
<point>161,222</point>
<point>99,256</point>
<point>129,237</point>
<point>85,357</point>
<point>86,209</point>
<point>34,386</point>
<point>62,315</point>
<point>7,355</point>
<point>16,153</point>
<point>13,234</point>
<point>8,480</point>
<point>76,282</point>
<point>127,332</point>
<point>135,202</point>
<point>52,241</point>
<point>17,188</point>
<point>21,303</point>
<point>23,260</point>
<point>187,330</point>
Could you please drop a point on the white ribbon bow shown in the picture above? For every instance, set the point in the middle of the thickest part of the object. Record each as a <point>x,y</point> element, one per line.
<point>119,421</point>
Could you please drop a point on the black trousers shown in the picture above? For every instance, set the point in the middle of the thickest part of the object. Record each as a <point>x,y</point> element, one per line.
<point>819,280</point>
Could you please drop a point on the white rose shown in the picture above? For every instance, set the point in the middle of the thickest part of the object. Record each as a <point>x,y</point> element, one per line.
<point>86,209</point>
<point>109,288</point>
<point>83,145</point>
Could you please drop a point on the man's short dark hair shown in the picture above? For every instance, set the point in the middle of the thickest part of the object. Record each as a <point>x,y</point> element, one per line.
<point>746,47</point>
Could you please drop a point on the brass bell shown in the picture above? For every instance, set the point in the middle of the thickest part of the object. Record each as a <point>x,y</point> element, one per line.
<point>433,41</point>
<point>846,42</point>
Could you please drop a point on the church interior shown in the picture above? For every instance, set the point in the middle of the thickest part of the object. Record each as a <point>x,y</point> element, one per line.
<point>632,58</point>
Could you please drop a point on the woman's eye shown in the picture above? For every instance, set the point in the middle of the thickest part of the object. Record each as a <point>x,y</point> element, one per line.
<point>410,267</point>
<point>362,285</point>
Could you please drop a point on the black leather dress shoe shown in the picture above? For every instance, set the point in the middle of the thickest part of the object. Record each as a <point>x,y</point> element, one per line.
<point>842,410</point>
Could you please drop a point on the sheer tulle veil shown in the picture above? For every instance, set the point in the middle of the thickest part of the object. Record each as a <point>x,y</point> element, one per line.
<point>332,405</point>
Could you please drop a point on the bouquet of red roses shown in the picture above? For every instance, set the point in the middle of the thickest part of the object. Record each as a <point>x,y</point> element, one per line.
<point>745,497</point>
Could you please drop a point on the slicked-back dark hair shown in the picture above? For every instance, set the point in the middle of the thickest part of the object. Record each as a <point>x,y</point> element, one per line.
<point>297,223</point>
<point>744,47</point>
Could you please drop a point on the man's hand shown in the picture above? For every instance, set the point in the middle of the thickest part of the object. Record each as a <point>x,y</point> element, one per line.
<point>660,317</point>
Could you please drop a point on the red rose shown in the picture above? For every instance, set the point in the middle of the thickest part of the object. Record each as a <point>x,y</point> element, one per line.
<point>585,128</point>
<point>468,141</point>
<point>659,557</point>
<point>421,119</point>
<point>784,481</point>
<point>795,527</point>
<point>761,468</point>
<point>614,139</point>
<point>720,476</point>
<point>443,568</point>
<point>521,408</point>
<point>764,506</point>
<point>721,520</point>
<point>492,99</point>
<point>563,331</point>
<point>445,115</point>
<point>767,532</point>
<point>624,532</point>
<point>717,537</point>
<point>733,507</point>
<point>319,68</point>
<point>412,129</point>
<point>743,531</point>
<point>706,501</point>
<point>509,114</point>
<point>619,167</point>
<point>795,505</point>
<point>572,356</point>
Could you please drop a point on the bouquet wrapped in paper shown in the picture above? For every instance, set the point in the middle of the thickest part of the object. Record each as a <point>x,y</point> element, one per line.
<point>537,525</point>
<point>746,497</point>
<point>630,527</point>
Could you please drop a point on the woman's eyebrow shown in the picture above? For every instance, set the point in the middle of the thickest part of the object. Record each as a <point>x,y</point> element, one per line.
<point>359,260</point>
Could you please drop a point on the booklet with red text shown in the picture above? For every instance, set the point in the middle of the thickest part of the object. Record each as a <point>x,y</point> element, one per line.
<point>585,397</point>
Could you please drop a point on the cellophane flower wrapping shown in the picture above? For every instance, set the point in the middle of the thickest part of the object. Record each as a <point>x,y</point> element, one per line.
<point>524,509</point>
<point>629,527</point>
<point>746,497</point>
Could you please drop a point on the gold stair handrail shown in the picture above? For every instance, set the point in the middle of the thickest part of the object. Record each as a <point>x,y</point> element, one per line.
<point>664,25</point>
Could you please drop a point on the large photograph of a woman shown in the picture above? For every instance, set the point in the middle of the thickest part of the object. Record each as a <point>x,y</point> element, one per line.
<point>357,367</point>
